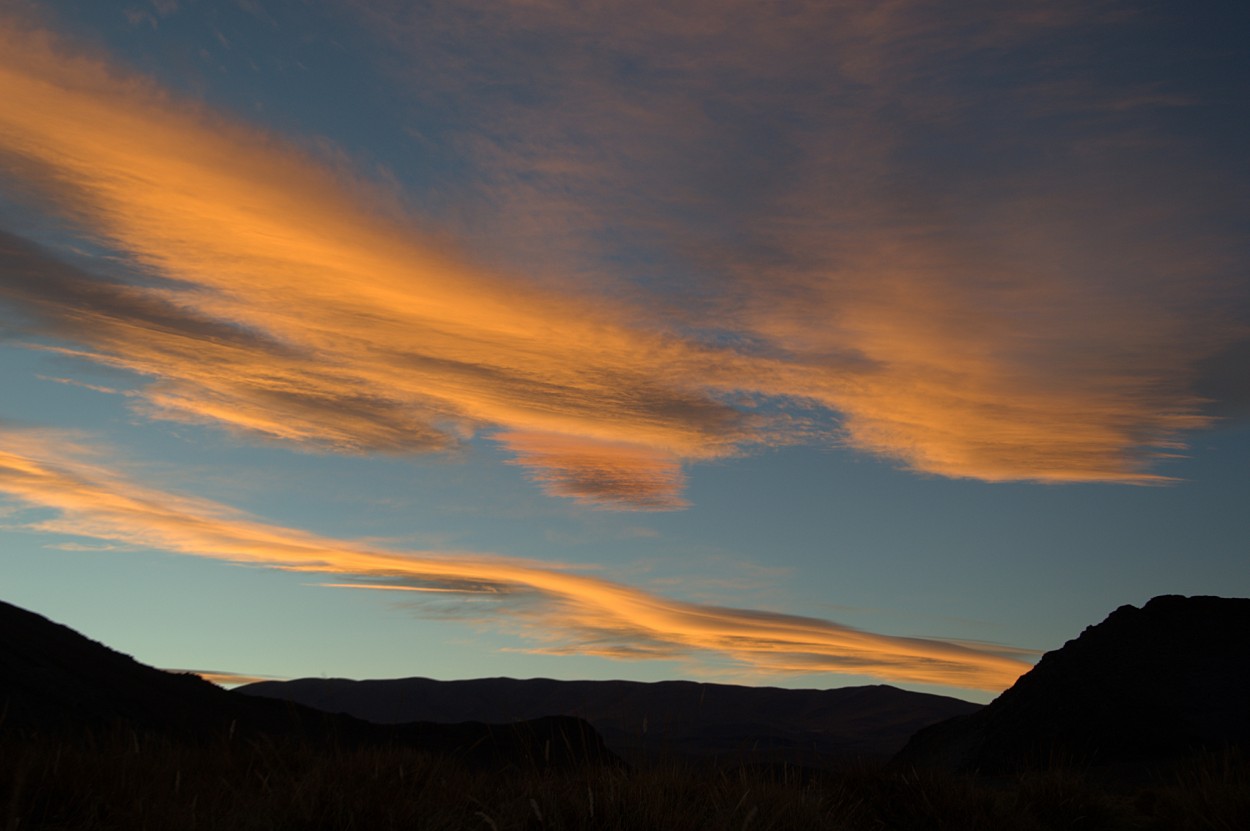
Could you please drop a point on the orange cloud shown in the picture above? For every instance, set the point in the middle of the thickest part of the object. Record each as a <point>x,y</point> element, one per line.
<point>1088,389</point>
<point>266,290</point>
<point>295,308</point>
<point>594,472</point>
<point>224,679</point>
<point>1007,279</point>
<point>566,612</point>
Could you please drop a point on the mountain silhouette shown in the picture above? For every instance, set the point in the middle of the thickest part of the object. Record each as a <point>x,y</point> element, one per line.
<point>645,721</point>
<point>56,682</point>
<point>1138,692</point>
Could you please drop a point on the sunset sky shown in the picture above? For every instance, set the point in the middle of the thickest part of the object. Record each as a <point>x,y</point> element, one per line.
<point>792,343</point>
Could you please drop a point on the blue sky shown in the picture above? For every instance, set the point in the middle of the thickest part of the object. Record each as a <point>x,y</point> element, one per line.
<point>796,344</point>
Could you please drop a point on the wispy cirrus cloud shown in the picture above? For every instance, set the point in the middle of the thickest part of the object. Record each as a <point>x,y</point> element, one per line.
<point>596,471</point>
<point>1002,281</point>
<point>995,242</point>
<point>290,306</point>
<point>565,611</point>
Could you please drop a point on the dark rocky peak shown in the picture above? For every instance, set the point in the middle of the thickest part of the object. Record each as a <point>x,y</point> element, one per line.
<point>1146,687</point>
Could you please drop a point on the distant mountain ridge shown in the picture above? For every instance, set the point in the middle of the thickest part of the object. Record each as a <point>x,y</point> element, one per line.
<point>646,720</point>
<point>55,682</point>
<point>1141,690</point>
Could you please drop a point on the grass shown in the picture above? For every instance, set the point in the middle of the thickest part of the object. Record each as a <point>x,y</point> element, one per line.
<point>125,780</point>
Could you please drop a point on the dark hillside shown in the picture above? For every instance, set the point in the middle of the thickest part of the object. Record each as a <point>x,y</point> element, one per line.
<point>53,678</point>
<point>55,682</point>
<point>1143,689</point>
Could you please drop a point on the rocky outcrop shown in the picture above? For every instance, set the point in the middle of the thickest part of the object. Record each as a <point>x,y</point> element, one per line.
<point>1141,690</point>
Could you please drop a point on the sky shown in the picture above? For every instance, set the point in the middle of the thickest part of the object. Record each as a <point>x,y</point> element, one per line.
<point>805,344</point>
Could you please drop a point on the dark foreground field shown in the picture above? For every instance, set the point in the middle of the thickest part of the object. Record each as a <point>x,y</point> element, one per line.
<point>130,781</point>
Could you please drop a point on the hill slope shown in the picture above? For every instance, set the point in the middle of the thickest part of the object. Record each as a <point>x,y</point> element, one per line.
<point>53,678</point>
<point>1143,688</point>
<point>54,681</point>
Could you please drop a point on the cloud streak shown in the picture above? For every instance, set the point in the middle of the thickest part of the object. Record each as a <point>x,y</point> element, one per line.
<point>593,472</point>
<point>291,307</point>
<point>225,679</point>
<point>567,612</point>
<point>961,231</point>
<point>1018,311</point>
